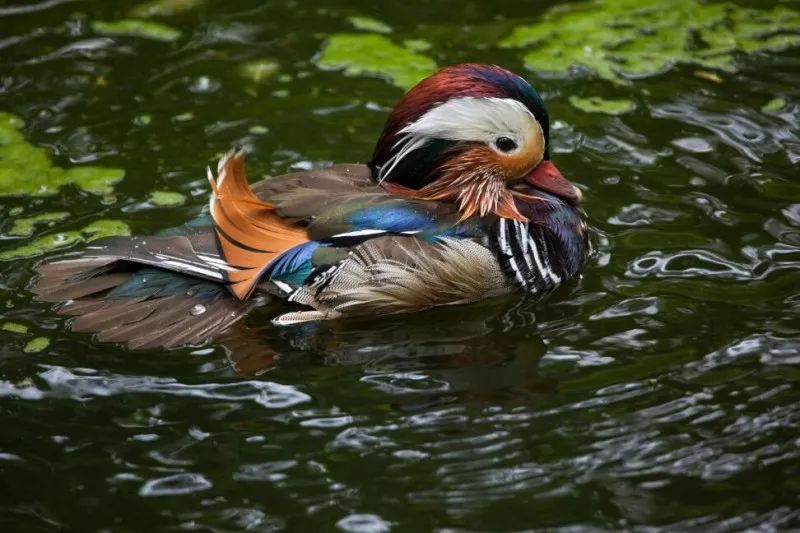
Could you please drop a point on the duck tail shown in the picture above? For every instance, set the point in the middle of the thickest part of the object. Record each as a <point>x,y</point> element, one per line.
<point>250,233</point>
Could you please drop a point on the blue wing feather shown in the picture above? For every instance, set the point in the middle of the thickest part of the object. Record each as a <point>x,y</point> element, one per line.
<point>397,217</point>
<point>360,224</point>
<point>294,265</point>
<point>157,283</point>
<point>391,218</point>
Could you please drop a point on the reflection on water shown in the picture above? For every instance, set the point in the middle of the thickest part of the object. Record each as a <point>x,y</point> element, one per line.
<point>662,391</point>
<point>466,354</point>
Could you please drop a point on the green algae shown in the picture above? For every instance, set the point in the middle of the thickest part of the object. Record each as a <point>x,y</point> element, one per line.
<point>137,28</point>
<point>27,170</point>
<point>595,104</point>
<point>143,120</point>
<point>258,129</point>
<point>708,76</point>
<point>36,345</point>
<point>417,45</point>
<point>374,55</point>
<point>183,117</point>
<point>167,198</point>
<point>96,180</point>
<point>259,70</point>
<point>369,24</point>
<point>55,241</point>
<point>14,327</point>
<point>24,383</point>
<point>163,8</point>
<point>620,40</point>
<point>23,227</point>
<point>774,105</point>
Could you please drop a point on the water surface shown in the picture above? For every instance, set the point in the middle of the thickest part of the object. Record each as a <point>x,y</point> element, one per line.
<point>660,392</point>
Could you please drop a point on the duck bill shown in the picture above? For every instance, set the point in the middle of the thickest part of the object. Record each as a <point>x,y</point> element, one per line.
<point>548,178</point>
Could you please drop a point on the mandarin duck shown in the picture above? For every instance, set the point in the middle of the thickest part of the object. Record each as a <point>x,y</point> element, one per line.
<point>459,202</point>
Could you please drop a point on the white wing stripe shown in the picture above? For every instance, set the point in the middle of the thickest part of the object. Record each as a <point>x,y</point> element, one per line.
<point>505,248</point>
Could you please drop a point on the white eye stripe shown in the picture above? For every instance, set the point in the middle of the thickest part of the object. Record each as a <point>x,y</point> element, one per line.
<point>475,119</point>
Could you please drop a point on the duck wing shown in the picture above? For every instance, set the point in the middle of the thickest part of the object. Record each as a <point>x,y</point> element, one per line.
<point>174,287</point>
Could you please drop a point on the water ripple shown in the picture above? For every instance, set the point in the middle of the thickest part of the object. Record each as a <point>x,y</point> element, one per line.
<point>64,383</point>
<point>746,130</point>
<point>31,7</point>
<point>703,263</point>
<point>175,485</point>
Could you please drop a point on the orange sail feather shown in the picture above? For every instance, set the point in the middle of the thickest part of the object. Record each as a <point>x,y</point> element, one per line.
<point>249,232</point>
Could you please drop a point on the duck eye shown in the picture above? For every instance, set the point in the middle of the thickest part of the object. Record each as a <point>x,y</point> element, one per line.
<point>504,144</point>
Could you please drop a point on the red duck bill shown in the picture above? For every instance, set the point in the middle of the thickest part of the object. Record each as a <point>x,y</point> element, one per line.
<point>548,178</point>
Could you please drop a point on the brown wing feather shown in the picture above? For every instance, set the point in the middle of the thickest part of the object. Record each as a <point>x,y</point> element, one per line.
<point>251,233</point>
<point>304,195</point>
<point>161,322</point>
<point>142,322</point>
<point>70,279</point>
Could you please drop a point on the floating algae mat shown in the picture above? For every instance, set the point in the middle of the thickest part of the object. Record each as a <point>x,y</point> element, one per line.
<point>605,106</point>
<point>137,28</point>
<point>27,170</point>
<point>14,327</point>
<point>163,8</point>
<point>23,227</point>
<point>36,345</point>
<point>259,70</point>
<point>774,105</point>
<point>167,198</point>
<point>55,241</point>
<point>375,55</point>
<point>369,24</point>
<point>621,40</point>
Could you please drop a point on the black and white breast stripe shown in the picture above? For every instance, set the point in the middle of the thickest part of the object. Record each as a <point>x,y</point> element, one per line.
<point>527,255</point>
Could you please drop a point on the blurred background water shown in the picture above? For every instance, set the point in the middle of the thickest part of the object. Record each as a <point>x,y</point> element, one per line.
<point>660,392</point>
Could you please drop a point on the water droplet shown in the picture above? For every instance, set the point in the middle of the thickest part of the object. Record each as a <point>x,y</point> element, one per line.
<point>198,309</point>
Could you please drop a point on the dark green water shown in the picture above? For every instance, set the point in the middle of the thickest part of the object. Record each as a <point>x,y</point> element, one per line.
<point>663,392</point>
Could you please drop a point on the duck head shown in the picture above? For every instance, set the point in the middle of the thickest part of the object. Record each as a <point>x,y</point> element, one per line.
<point>473,134</point>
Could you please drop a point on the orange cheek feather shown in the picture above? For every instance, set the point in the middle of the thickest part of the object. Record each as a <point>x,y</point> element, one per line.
<point>475,181</point>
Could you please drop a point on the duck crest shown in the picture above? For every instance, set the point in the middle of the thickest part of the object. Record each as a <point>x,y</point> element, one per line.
<point>422,164</point>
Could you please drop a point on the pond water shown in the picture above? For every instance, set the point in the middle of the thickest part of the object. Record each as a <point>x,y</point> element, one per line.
<point>663,391</point>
